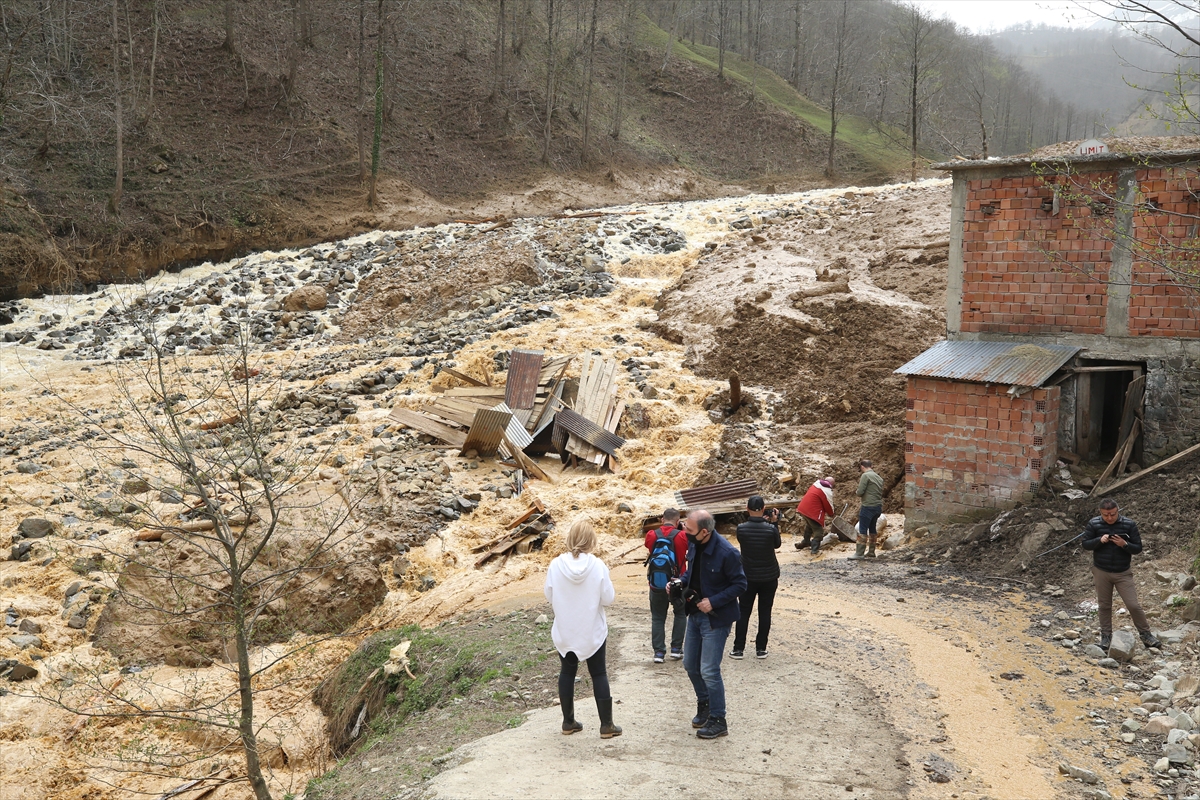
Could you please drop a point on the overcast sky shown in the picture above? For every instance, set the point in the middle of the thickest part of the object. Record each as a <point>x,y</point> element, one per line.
<point>982,15</point>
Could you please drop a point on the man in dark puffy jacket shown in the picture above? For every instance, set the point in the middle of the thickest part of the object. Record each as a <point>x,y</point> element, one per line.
<point>711,586</point>
<point>1112,539</point>
<point>758,538</point>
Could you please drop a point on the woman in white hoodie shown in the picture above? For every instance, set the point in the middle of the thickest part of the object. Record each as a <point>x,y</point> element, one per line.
<point>579,589</point>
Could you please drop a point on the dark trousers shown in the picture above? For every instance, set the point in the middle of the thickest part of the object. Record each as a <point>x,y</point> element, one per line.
<point>1123,583</point>
<point>765,592</point>
<point>660,603</point>
<point>569,664</point>
<point>867,517</point>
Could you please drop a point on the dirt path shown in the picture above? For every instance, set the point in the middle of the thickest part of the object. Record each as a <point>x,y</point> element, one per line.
<point>862,696</point>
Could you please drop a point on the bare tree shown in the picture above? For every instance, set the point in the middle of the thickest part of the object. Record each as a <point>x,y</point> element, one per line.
<point>628,15</point>
<point>919,49</point>
<point>247,542</point>
<point>722,29</point>
<point>587,97</point>
<point>378,133</point>
<point>114,200</point>
<point>842,44</point>
<point>551,65</point>
<point>228,45</point>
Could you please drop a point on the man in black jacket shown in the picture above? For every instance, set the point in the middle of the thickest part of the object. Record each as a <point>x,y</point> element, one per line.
<point>758,539</point>
<point>1112,539</point>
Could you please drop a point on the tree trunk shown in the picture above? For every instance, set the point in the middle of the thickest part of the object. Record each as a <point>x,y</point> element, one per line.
<point>153,58</point>
<point>839,61</point>
<point>498,56</point>
<point>794,79</point>
<point>913,114</point>
<point>587,97</point>
<point>114,201</point>
<point>246,693</point>
<point>305,36</point>
<point>550,59</point>
<point>228,45</point>
<point>626,43</point>
<point>722,17</point>
<point>670,38</point>
<point>378,135</point>
<point>360,122</point>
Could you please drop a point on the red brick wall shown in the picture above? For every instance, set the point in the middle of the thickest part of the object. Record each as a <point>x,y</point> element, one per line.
<point>970,446</point>
<point>1157,306</point>
<point>1010,285</point>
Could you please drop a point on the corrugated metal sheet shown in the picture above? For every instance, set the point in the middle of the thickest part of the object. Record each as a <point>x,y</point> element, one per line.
<point>524,369</point>
<point>1014,364</point>
<point>514,430</point>
<point>716,493</point>
<point>486,431</point>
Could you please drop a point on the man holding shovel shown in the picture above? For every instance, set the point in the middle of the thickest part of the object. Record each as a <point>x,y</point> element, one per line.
<point>815,506</point>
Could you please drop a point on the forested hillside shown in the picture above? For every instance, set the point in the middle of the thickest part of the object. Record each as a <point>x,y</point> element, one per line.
<point>141,135</point>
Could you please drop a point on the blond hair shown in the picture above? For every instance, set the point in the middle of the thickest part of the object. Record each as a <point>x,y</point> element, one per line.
<point>581,538</point>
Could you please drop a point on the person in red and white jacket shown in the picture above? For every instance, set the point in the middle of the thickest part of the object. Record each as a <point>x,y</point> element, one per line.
<point>659,600</point>
<point>815,506</point>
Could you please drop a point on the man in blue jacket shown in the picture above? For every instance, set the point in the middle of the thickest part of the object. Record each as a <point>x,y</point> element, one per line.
<point>1112,539</point>
<point>711,587</point>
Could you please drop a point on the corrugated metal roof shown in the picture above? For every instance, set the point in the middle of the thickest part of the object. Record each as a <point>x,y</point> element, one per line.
<point>1015,364</point>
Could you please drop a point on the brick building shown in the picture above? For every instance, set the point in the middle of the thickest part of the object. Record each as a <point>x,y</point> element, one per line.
<point>1072,324</point>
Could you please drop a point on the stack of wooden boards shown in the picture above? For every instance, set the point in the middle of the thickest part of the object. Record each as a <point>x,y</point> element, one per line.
<point>507,418</point>
<point>526,532</point>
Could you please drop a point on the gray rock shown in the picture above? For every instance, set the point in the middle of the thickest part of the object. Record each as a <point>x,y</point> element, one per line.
<point>1177,753</point>
<point>34,528</point>
<point>1085,775</point>
<point>649,392</point>
<point>1176,736</point>
<point>73,589</point>
<point>1122,647</point>
<point>427,582</point>
<point>624,508</point>
<point>1094,651</point>
<point>135,486</point>
<point>541,620</point>
<point>1108,663</point>
<point>1155,696</point>
<point>1131,725</point>
<point>1160,726</point>
<point>77,622</point>
<point>29,468</point>
<point>1096,794</point>
<point>1187,583</point>
<point>16,671</point>
<point>24,640</point>
<point>400,566</point>
<point>1185,722</point>
<point>29,626</point>
<point>20,552</point>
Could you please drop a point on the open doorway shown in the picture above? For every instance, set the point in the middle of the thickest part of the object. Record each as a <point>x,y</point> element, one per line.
<point>1108,402</point>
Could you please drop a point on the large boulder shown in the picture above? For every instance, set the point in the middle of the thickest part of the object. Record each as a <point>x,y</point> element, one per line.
<point>34,528</point>
<point>307,298</point>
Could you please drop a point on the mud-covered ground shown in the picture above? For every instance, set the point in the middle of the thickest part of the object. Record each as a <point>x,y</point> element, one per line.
<point>812,298</point>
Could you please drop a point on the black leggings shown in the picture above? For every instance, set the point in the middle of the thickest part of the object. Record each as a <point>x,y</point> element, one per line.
<point>569,664</point>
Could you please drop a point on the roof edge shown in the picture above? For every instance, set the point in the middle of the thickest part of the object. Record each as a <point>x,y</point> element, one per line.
<point>1098,158</point>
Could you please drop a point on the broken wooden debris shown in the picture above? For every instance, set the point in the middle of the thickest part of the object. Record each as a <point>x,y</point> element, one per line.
<point>527,532</point>
<point>464,377</point>
<point>1166,462</point>
<point>423,423</point>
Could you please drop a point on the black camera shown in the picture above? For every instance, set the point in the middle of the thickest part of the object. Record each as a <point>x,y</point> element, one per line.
<point>691,597</point>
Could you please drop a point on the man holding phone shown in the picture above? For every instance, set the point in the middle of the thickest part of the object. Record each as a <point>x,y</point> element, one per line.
<point>1112,539</point>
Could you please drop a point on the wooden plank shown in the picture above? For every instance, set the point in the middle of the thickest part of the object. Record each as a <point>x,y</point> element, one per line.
<point>524,372</point>
<point>1133,406</point>
<point>1120,456</point>
<point>423,423</point>
<point>475,391</point>
<point>526,463</point>
<point>1132,367</point>
<point>463,377</point>
<point>1166,462</point>
<point>487,429</point>
<point>1128,450</point>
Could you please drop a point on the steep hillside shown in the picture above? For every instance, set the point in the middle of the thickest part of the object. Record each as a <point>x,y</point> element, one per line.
<point>258,135</point>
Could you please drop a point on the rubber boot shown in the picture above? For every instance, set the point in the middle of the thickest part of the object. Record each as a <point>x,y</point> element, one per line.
<point>607,729</point>
<point>701,714</point>
<point>569,724</point>
<point>860,547</point>
<point>816,545</point>
<point>714,728</point>
<point>1105,640</point>
<point>871,547</point>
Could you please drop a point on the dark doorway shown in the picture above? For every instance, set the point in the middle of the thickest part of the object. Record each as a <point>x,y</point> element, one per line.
<point>1102,419</point>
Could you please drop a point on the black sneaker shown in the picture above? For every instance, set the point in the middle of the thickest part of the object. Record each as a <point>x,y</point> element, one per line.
<point>1105,641</point>
<point>676,653</point>
<point>738,654</point>
<point>1150,640</point>
<point>659,655</point>
<point>760,653</point>
<point>713,728</point>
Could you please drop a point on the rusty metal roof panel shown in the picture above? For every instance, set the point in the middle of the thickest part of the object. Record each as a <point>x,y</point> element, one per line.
<point>524,371</point>
<point>1011,363</point>
<point>715,493</point>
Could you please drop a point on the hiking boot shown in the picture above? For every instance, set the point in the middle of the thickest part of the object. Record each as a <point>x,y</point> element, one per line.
<point>760,653</point>
<point>659,655</point>
<point>607,729</point>
<point>676,653</point>
<point>569,725</point>
<point>714,728</point>
<point>803,544</point>
<point>1150,640</point>
<point>738,654</point>
<point>701,717</point>
<point>1105,641</point>
<point>860,547</point>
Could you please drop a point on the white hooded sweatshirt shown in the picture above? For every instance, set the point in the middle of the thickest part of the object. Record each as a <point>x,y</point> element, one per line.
<point>579,589</point>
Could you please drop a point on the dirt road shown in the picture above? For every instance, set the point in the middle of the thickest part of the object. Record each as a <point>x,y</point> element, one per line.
<point>868,693</point>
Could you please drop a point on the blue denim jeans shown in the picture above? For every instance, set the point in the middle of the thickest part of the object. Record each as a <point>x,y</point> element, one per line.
<point>867,517</point>
<point>703,648</point>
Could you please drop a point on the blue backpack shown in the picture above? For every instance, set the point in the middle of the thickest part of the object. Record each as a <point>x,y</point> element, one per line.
<point>662,566</point>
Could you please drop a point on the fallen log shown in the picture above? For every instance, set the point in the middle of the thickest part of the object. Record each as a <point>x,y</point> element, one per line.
<point>834,287</point>
<point>1166,462</point>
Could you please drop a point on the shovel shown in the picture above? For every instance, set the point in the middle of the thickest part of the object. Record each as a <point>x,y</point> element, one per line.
<point>844,530</point>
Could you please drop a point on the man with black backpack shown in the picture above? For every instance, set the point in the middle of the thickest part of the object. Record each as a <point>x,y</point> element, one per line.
<point>668,547</point>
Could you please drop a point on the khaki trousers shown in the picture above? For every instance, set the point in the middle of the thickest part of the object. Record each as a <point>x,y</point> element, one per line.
<point>1123,583</point>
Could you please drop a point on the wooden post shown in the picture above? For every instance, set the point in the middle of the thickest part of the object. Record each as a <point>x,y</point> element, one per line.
<point>735,392</point>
